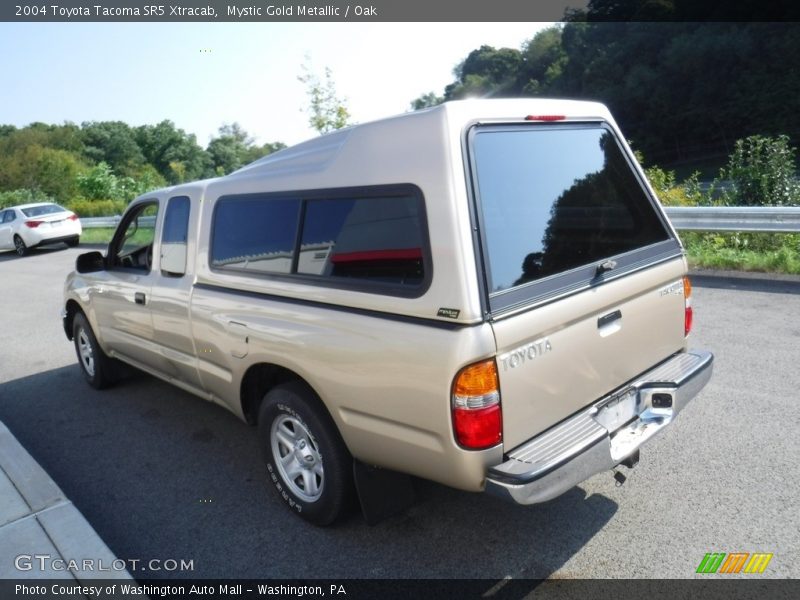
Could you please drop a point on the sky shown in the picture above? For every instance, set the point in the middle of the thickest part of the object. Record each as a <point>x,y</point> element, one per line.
<point>203,75</point>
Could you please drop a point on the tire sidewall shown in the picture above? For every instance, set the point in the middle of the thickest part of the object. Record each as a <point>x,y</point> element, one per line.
<point>20,251</point>
<point>81,323</point>
<point>291,400</point>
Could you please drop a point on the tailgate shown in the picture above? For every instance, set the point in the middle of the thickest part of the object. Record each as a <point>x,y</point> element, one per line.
<point>555,359</point>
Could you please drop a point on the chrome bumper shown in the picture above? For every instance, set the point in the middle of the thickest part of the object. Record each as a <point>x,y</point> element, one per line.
<point>603,435</point>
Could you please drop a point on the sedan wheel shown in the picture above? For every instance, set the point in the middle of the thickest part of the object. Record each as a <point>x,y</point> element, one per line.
<point>19,246</point>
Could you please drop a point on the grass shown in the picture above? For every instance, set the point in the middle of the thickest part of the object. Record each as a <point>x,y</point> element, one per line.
<point>97,235</point>
<point>764,252</point>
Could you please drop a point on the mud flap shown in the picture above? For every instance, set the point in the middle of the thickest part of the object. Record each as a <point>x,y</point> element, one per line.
<point>381,493</point>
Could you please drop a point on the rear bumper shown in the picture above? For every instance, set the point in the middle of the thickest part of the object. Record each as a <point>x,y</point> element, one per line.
<point>43,237</point>
<point>602,436</point>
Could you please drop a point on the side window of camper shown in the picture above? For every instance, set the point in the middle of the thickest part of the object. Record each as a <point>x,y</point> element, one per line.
<point>372,237</point>
<point>255,233</point>
<point>375,239</point>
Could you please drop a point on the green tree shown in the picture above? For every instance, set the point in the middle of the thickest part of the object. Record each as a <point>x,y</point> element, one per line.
<point>486,72</point>
<point>543,60</point>
<point>174,153</point>
<point>114,143</point>
<point>326,110</point>
<point>40,169</point>
<point>229,150</point>
<point>426,101</point>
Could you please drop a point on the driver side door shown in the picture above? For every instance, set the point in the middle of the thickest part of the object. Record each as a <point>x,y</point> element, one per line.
<point>121,293</point>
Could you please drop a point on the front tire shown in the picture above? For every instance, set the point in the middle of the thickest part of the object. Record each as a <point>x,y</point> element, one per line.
<point>97,367</point>
<point>307,461</point>
<point>19,246</point>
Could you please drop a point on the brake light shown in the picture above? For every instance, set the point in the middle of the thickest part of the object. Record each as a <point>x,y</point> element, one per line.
<point>477,416</point>
<point>687,299</point>
<point>73,217</point>
<point>33,224</point>
<point>545,117</point>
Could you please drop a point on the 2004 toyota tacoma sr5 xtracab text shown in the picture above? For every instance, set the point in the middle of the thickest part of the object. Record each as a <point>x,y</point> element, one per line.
<point>486,294</point>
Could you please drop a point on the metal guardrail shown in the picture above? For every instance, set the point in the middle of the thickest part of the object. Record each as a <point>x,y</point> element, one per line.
<point>777,219</point>
<point>95,222</point>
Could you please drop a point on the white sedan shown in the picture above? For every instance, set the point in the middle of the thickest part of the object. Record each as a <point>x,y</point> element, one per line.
<point>29,225</point>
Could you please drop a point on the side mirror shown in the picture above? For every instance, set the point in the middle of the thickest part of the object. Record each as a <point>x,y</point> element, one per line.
<point>90,262</point>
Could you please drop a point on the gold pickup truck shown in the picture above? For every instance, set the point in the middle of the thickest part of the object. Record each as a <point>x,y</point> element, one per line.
<point>486,294</point>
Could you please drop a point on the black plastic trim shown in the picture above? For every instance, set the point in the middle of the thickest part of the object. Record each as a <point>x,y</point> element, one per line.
<point>448,325</point>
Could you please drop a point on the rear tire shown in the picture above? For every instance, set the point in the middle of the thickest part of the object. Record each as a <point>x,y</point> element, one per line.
<point>72,242</point>
<point>307,461</point>
<point>97,367</point>
<point>19,246</point>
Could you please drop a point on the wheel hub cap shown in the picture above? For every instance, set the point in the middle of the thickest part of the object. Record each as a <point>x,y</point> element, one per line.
<point>297,458</point>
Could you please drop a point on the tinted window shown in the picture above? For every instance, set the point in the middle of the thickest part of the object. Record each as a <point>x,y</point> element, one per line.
<point>45,209</point>
<point>174,237</point>
<point>254,233</point>
<point>556,198</point>
<point>378,239</point>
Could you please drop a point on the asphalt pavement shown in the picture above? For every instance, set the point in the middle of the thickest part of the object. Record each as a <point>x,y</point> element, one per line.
<point>166,478</point>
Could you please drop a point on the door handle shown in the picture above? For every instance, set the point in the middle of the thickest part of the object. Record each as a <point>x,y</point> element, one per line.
<point>610,323</point>
<point>609,318</point>
<point>140,298</point>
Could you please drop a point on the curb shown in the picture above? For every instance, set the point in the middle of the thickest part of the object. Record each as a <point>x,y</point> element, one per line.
<point>38,520</point>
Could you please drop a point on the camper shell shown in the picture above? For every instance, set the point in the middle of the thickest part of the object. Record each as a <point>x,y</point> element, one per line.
<point>485,293</point>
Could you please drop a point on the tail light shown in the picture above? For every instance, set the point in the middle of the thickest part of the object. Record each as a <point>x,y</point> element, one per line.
<point>33,224</point>
<point>73,217</point>
<point>687,299</point>
<point>477,416</point>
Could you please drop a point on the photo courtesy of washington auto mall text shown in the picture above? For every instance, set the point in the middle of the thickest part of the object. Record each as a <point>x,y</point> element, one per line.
<point>108,590</point>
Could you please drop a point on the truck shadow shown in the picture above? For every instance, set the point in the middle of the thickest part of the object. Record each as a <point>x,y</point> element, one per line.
<point>9,255</point>
<point>163,475</point>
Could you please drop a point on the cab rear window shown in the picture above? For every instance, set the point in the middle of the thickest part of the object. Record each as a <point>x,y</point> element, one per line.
<point>554,198</point>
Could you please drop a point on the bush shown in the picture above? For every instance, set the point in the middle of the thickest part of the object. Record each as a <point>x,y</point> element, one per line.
<point>761,171</point>
<point>671,193</point>
<point>97,208</point>
<point>22,196</point>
